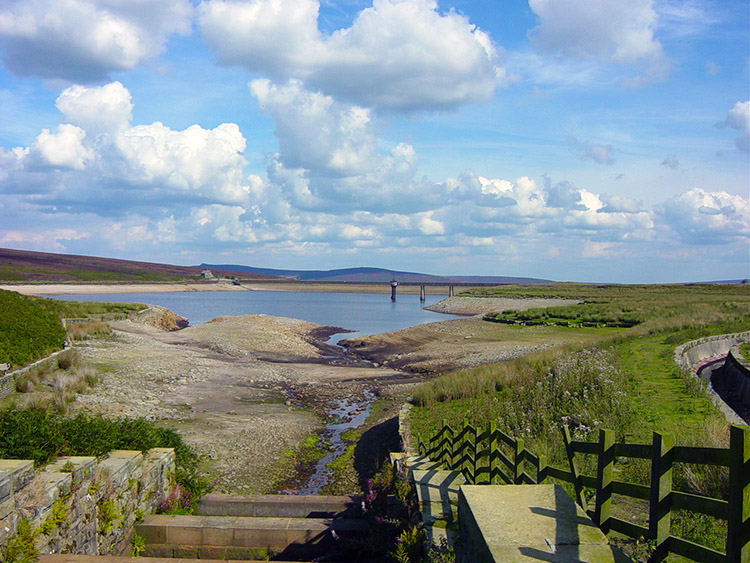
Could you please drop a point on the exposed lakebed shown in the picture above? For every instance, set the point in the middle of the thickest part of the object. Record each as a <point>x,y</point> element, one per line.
<point>359,313</point>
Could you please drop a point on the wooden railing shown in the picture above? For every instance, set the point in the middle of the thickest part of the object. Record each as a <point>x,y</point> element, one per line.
<point>488,455</point>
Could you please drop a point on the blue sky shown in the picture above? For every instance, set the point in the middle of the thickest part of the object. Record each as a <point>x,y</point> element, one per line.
<point>564,139</point>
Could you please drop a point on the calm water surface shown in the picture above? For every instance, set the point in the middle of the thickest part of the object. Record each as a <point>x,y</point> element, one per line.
<point>362,313</point>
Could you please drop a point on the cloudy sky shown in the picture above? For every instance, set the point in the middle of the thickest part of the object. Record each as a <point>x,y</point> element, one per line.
<point>564,139</point>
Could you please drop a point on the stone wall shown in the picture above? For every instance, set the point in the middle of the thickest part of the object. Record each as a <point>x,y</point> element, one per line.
<point>8,382</point>
<point>694,355</point>
<point>80,505</point>
<point>737,374</point>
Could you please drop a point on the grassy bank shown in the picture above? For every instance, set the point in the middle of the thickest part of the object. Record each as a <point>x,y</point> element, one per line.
<point>626,381</point>
<point>31,327</point>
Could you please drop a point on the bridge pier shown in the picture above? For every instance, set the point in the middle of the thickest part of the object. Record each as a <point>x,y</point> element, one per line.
<point>421,293</point>
<point>394,285</point>
<point>450,290</point>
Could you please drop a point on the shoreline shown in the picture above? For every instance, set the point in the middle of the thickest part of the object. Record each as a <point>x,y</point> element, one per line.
<point>104,289</point>
<point>52,289</point>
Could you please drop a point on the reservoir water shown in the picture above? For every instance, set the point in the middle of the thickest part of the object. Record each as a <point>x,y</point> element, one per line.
<point>361,313</point>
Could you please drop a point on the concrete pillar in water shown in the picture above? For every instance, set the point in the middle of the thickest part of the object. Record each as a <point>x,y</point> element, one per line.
<point>450,291</point>
<point>394,285</point>
<point>421,293</point>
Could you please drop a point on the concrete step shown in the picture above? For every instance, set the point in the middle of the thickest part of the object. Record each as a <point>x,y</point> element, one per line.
<point>437,492</point>
<point>65,558</point>
<point>279,506</point>
<point>237,537</point>
<point>527,523</point>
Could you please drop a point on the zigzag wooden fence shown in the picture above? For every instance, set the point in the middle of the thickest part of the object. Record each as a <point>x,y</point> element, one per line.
<point>490,456</point>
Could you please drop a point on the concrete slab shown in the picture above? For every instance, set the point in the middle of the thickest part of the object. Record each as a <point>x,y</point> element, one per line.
<point>278,506</point>
<point>437,492</point>
<point>232,531</point>
<point>111,559</point>
<point>515,523</point>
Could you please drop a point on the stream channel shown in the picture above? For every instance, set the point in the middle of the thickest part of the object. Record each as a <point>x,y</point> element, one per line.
<point>346,414</point>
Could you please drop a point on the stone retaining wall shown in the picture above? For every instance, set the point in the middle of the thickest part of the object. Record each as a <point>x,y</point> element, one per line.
<point>80,505</point>
<point>737,373</point>
<point>695,354</point>
<point>8,382</point>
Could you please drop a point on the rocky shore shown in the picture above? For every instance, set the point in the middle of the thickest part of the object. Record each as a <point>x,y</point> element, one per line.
<point>243,391</point>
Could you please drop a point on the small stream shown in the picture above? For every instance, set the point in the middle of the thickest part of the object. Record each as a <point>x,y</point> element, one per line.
<point>347,414</point>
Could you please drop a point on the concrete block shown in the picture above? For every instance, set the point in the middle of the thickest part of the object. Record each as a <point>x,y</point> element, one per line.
<point>185,530</point>
<point>269,533</point>
<point>153,529</point>
<point>122,465</point>
<point>56,484</point>
<point>277,506</point>
<point>80,467</point>
<point>509,523</point>
<point>219,531</point>
<point>21,472</point>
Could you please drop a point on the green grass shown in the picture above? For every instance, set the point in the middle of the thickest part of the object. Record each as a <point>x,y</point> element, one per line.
<point>31,327</point>
<point>624,380</point>
<point>28,329</point>
<point>41,435</point>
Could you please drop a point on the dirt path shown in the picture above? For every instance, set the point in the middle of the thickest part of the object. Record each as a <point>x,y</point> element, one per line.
<point>244,391</point>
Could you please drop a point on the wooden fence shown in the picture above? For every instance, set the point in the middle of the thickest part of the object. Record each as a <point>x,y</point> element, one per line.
<point>488,455</point>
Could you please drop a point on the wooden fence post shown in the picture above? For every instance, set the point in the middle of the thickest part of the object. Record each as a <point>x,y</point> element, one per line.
<point>738,522</point>
<point>541,471</point>
<point>492,450</point>
<point>474,451</point>
<point>443,442</point>
<point>660,500</point>
<point>449,437</point>
<point>604,468</point>
<point>517,461</point>
<point>577,485</point>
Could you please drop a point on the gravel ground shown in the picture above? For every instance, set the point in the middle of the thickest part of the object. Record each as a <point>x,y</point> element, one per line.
<point>241,412</point>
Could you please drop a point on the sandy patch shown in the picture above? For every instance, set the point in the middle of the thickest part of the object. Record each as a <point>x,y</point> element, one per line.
<point>103,289</point>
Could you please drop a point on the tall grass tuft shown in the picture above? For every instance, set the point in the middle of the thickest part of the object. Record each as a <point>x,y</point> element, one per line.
<point>84,330</point>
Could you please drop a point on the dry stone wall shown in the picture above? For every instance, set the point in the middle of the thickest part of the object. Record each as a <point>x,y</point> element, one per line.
<point>81,505</point>
<point>8,381</point>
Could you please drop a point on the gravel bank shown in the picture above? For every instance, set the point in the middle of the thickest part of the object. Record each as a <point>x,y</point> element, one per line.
<point>244,391</point>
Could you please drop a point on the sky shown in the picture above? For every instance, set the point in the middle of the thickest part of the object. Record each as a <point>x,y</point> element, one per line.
<point>603,141</point>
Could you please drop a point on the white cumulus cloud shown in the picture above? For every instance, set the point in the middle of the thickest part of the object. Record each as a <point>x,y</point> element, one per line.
<point>103,162</point>
<point>62,149</point>
<point>738,118</point>
<point>702,217</point>
<point>85,40</point>
<point>608,31</point>
<point>397,55</point>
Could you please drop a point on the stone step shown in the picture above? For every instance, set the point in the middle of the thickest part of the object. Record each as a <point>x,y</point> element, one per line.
<point>65,558</point>
<point>527,523</point>
<point>235,531</point>
<point>279,506</point>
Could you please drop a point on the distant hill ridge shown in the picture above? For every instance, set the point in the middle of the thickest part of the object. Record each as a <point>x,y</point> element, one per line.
<point>29,266</point>
<point>370,275</point>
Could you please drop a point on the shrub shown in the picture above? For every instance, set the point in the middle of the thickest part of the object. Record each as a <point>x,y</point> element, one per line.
<point>41,436</point>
